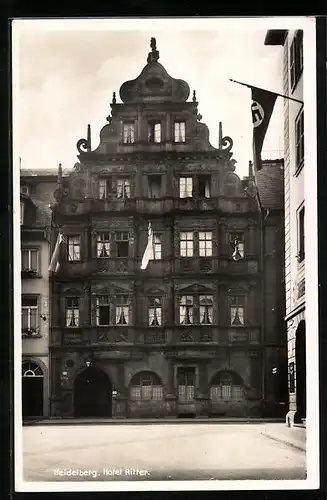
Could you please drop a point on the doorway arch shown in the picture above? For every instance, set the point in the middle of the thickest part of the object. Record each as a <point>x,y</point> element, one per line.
<point>92,394</point>
<point>301,372</point>
<point>32,389</point>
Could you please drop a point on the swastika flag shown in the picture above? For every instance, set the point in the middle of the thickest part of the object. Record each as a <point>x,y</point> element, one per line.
<point>262,106</point>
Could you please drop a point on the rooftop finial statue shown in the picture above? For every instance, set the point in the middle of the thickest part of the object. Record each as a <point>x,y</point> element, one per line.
<point>154,55</point>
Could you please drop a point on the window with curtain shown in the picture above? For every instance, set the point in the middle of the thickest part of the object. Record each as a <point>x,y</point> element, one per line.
<point>74,247</point>
<point>179,131</point>
<point>123,188</point>
<point>154,132</point>
<point>72,312</point>
<point>122,311</point>
<point>186,244</point>
<point>103,245</point>
<point>30,315</point>
<point>128,132</point>
<point>30,259</point>
<point>185,187</point>
<point>237,310</point>
<point>146,386</point>
<point>103,310</point>
<point>104,188</point>
<point>206,309</point>
<point>205,244</point>
<point>155,311</point>
<point>226,386</point>
<point>204,186</point>
<point>236,240</point>
<point>186,305</point>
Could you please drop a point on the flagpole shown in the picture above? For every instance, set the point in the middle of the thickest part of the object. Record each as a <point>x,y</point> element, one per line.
<point>275,93</point>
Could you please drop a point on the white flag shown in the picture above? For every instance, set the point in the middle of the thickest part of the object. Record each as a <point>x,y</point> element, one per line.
<point>149,253</point>
<point>54,263</point>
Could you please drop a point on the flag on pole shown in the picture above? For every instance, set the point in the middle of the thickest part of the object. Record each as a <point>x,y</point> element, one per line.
<point>262,106</point>
<point>148,253</point>
<point>54,263</point>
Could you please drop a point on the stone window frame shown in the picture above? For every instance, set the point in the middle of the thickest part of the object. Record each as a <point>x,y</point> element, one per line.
<point>195,308</point>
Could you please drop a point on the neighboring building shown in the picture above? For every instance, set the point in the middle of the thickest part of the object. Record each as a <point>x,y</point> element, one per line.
<point>36,192</point>
<point>292,42</point>
<point>190,334</point>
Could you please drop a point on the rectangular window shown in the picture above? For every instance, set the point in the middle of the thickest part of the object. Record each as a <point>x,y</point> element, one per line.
<point>74,246</point>
<point>122,243</point>
<point>154,132</point>
<point>296,58</point>
<point>185,187</point>
<point>186,244</point>
<point>186,304</point>
<point>123,188</point>
<point>205,244</point>
<point>301,235</point>
<point>154,183</point>
<point>299,140</point>
<point>236,241</point>
<point>102,310</point>
<point>146,387</point>
<point>30,316</point>
<point>30,259</point>
<point>179,131</point>
<point>72,312</point>
<point>186,383</point>
<point>203,186</point>
<point>237,311</point>
<point>104,188</point>
<point>103,245</point>
<point>206,309</point>
<point>155,311</point>
<point>21,213</point>
<point>157,246</point>
<point>122,311</point>
<point>128,132</point>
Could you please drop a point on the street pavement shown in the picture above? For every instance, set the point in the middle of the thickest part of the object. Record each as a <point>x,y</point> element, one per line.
<point>163,452</point>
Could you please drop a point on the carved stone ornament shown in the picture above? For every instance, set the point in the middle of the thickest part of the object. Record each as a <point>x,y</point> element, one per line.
<point>226,144</point>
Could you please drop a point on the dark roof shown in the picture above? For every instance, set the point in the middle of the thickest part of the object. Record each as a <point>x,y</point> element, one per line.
<point>276,37</point>
<point>270,184</point>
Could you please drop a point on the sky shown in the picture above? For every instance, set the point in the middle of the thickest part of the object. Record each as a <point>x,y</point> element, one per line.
<point>64,77</point>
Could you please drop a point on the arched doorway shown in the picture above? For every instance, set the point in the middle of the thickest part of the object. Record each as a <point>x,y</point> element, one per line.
<point>227,396</point>
<point>300,363</point>
<point>32,389</point>
<point>92,394</point>
<point>146,395</point>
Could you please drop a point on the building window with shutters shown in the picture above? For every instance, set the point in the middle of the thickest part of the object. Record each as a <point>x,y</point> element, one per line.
<point>179,131</point>
<point>123,188</point>
<point>186,306</point>
<point>205,244</point>
<point>74,247</point>
<point>128,132</point>
<point>146,386</point>
<point>103,310</point>
<point>226,386</point>
<point>186,383</point>
<point>122,311</point>
<point>30,315</point>
<point>300,235</point>
<point>236,309</point>
<point>104,188</point>
<point>30,260</point>
<point>185,187</point>
<point>72,312</point>
<point>122,243</point>
<point>186,244</point>
<point>155,311</point>
<point>103,245</point>
<point>154,131</point>
<point>299,140</point>
<point>296,59</point>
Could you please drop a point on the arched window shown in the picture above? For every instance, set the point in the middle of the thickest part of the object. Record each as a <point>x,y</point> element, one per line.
<point>226,386</point>
<point>31,369</point>
<point>146,386</point>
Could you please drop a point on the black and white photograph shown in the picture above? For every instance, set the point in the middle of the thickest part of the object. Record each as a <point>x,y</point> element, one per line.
<point>165,254</point>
